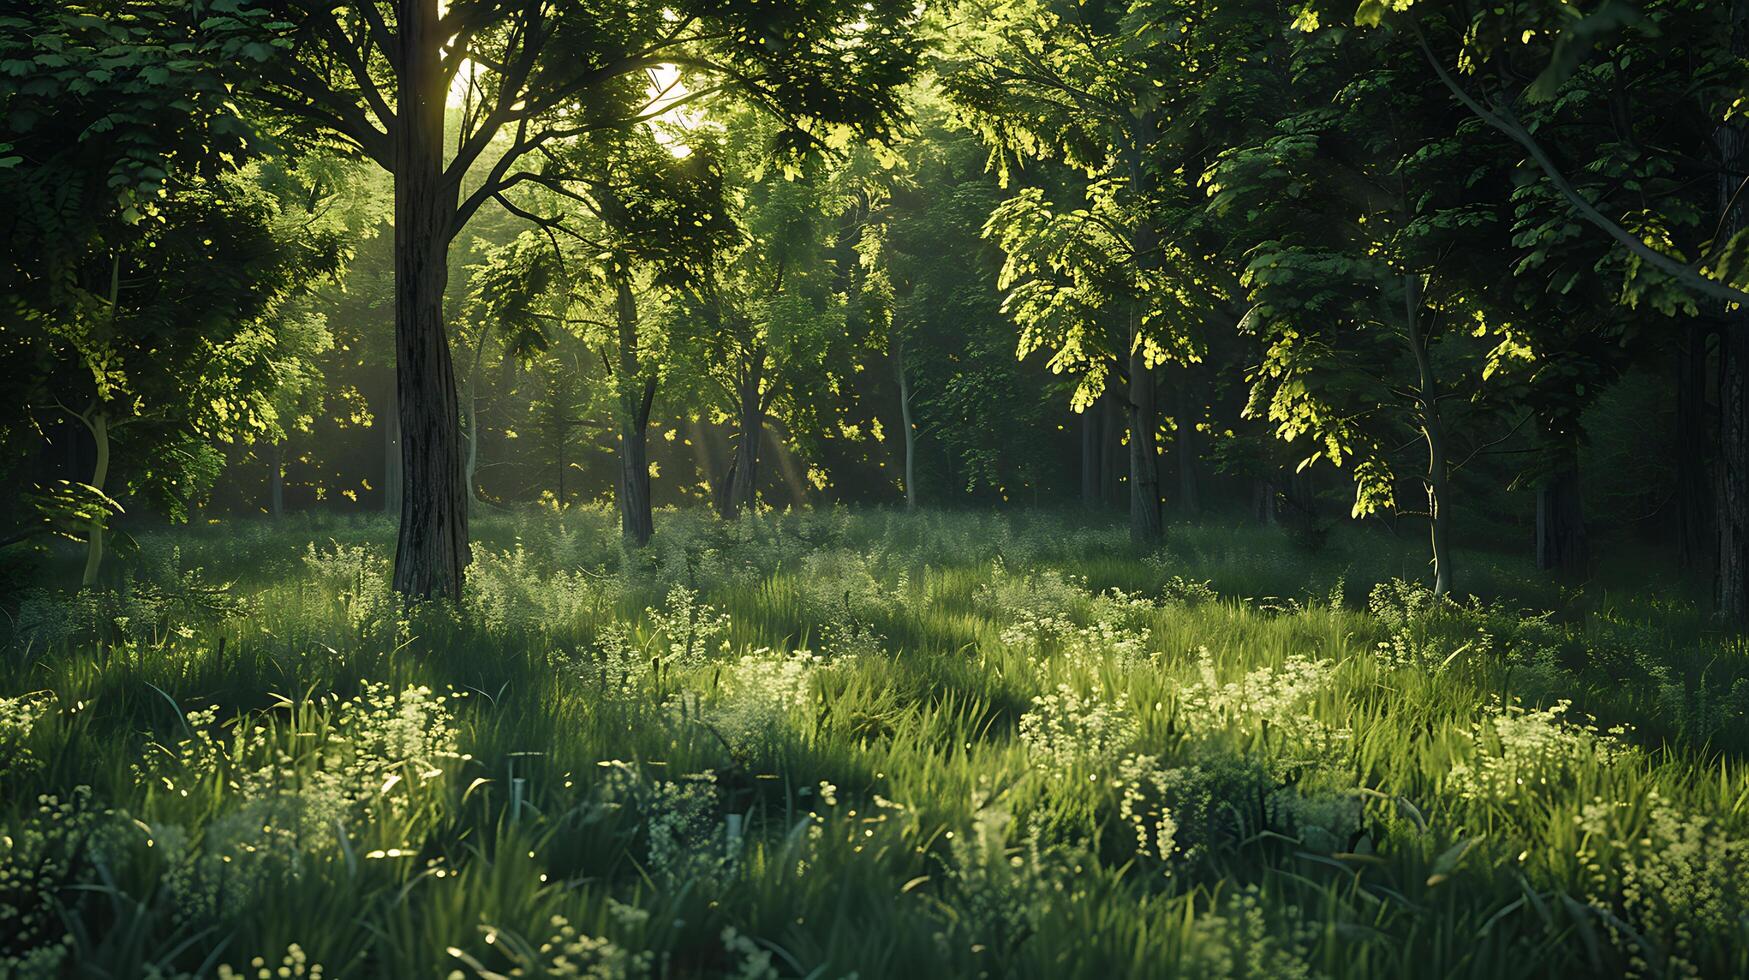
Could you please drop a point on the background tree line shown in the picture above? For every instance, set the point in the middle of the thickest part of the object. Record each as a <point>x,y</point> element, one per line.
<point>1469,270</point>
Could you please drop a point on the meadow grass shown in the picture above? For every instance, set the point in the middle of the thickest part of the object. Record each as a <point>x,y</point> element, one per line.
<point>831,743</point>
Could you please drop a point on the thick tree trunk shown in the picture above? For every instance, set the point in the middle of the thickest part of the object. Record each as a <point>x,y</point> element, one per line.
<point>636,522</point>
<point>1696,546</point>
<point>1438,476</point>
<point>1144,455</point>
<point>431,555</point>
<point>1731,515</point>
<point>1561,543</point>
<point>909,424</point>
<point>743,481</point>
<point>99,425</point>
<point>276,481</point>
<point>1185,447</point>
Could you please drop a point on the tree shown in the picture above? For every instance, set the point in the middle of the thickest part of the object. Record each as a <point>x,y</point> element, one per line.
<point>377,75</point>
<point>649,216</point>
<point>146,268</point>
<point>1126,278</point>
<point>1657,89</point>
<point>763,320</point>
<point>975,419</point>
<point>1365,203</point>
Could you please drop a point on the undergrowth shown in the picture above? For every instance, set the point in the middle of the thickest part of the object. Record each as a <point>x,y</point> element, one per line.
<point>834,744</point>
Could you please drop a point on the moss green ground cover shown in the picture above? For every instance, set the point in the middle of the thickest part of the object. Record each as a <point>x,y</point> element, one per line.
<point>845,744</point>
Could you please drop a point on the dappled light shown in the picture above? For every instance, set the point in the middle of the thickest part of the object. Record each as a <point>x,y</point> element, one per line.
<point>870,488</point>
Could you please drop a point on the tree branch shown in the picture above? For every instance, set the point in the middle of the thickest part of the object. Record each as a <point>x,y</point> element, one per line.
<point>1504,121</point>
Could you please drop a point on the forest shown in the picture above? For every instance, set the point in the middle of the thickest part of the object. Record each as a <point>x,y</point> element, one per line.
<point>874,488</point>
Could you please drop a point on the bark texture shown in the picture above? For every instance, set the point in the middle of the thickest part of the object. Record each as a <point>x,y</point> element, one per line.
<point>740,489</point>
<point>636,394</point>
<point>431,554</point>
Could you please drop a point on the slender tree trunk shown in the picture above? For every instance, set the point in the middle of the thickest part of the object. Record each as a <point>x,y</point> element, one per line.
<point>1145,524</point>
<point>564,437</point>
<point>1731,517</point>
<point>1186,449</point>
<point>636,522</point>
<point>1438,468</point>
<point>1092,455</point>
<point>276,481</point>
<point>392,461</point>
<point>1111,460</point>
<point>1561,543</point>
<point>1731,514</point>
<point>99,425</point>
<point>1696,546</point>
<point>471,469</point>
<point>1300,496</point>
<point>743,478</point>
<point>1263,502</point>
<point>908,423</point>
<point>431,555</point>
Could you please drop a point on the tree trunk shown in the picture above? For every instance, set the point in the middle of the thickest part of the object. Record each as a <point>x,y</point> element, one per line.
<point>1561,543</point>
<point>743,478</point>
<point>636,523</point>
<point>1263,502</point>
<point>471,469</point>
<point>276,481</point>
<point>431,555</point>
<point>909,425</point>
<point>1145,525</point>
<point>1092,456</point>
<point>99,425</point>
<point>564,435</point>
<point>1144,456</point>
<point>1185,448</point>
<point>392,461</point>
<point>1111,460</point>
<point>1731,519</point>
<point>1696,546</point>
<point>1438,475</point>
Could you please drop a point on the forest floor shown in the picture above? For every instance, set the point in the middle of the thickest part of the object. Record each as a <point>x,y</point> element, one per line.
<point>837,743</point>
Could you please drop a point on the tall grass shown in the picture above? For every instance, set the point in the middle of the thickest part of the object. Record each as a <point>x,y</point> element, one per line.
<point>835,743</point>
